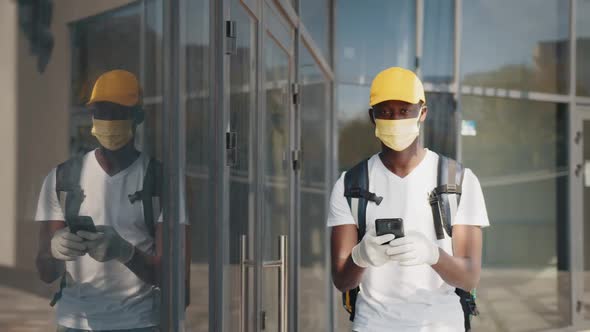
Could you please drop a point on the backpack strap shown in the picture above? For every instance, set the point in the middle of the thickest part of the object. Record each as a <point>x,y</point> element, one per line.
<point>70,196</point>
<point>67,187</point>
<point>150,194</point>
<point>445,198</point>
<point>358,196</point>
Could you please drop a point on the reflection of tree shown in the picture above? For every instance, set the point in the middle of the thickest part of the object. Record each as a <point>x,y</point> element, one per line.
<point>356,141</point>
<point>547,71</point>
<point>514,136</point>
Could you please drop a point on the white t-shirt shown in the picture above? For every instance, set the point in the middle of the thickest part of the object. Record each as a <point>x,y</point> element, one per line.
<point>416,298</point>
<point>105,296</point>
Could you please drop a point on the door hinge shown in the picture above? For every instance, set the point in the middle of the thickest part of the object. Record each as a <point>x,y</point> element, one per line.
<point>263,320</point>
<point>295,90</point>
<point>231,142</point>
<point>296,158</point>
<point>230,37</point>
<point>578,137</point>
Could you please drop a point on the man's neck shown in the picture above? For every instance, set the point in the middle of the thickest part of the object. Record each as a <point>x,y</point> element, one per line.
<point>113,162</point>
<point>401,163</point>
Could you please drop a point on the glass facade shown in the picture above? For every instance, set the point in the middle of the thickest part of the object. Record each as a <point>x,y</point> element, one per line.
<point>502,50</point>
<point>519,152</point>
<point>582,48</point>
<point>268,101</point>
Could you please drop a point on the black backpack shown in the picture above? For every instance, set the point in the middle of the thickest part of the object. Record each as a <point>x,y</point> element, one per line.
<point>449,180</point>
<point>70,195</point>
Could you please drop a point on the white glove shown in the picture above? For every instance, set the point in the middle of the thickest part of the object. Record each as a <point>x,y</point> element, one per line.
<point>106,244</point>
<point>66,246</point>
<point>371,251</point>
<point>413,249</point>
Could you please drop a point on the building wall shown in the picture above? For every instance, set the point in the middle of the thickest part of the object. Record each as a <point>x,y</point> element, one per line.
<point>8,130</point>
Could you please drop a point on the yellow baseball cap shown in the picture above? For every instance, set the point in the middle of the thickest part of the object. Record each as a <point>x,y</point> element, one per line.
<point>396,83</point>
<point>116,86</point>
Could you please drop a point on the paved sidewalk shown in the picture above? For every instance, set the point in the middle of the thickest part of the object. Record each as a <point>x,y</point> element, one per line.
<point>24,312</point>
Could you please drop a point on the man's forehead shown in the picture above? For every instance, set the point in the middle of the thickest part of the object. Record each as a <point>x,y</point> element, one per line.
<point>396,103</point>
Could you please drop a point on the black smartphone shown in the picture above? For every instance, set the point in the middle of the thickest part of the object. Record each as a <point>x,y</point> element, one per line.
<point>393,226</point>
<point>82,223</point>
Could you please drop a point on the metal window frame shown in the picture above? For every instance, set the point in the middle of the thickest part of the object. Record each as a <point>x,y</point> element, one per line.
<point>173,135</point>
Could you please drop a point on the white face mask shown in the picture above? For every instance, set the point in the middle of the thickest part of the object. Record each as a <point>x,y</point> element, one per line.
<point>398,134</point>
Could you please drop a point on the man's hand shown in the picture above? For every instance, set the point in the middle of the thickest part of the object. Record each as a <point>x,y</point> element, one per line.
<point>106,244</point>
<point>66,246</point>
<point>370,251</point>
<point>413,249</point>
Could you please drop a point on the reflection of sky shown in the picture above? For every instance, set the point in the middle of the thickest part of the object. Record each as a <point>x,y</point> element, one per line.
<point>314,15</point>
<point>502,32</point>
<point>583,18</point>
<point>372,35</point>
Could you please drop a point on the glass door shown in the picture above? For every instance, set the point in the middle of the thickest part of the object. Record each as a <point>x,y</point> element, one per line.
<point>243,91</point>
<point>260,177</point>
<point>583,172</point>
<point>276,214</point>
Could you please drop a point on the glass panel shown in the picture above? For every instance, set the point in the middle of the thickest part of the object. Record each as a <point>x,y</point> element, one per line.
<point>278,26</point>
<point>519,151</point>
<point>314,273</point>
<point>95,50</point>
<point>383,35</point>
<point>440,133</point>
<point>198,178</point>
<point>242,186</point>
<point>439,41</point>
<point>276,171</point>
<point>586,201</point>
<point>107,285</point>
<point>356,133</point>
<point>583,48</point>
<point>153,48</point>
<point>316,18</point>
<point>500,49</point>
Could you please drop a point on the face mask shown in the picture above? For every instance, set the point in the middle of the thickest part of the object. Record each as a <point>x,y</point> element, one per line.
<point>112,134</point>
<point>398,134</point>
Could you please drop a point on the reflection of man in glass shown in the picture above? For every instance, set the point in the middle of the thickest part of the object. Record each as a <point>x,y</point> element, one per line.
<point>97,221</point>
<point>406,283</point>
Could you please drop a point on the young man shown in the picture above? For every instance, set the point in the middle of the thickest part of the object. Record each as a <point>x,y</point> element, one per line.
<point>409,283</point>
<point>111,275</point>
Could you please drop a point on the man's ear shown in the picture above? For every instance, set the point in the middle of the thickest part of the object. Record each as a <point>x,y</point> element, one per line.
<point>424,113</point>
<point>371,116</point>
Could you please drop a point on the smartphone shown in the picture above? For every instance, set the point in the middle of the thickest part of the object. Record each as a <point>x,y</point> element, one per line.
<point>393,226</point>
<point>82,223</point>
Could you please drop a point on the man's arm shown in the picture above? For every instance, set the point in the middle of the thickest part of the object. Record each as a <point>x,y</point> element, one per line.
<point>149,267</point>
<point>49,268</point>
<point>345,273</point>
<point>463,269</point>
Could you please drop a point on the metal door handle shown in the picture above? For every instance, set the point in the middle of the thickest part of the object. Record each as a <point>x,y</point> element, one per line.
<point>281,265</point>
<point>283,294</point>
<point>244,264</point>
